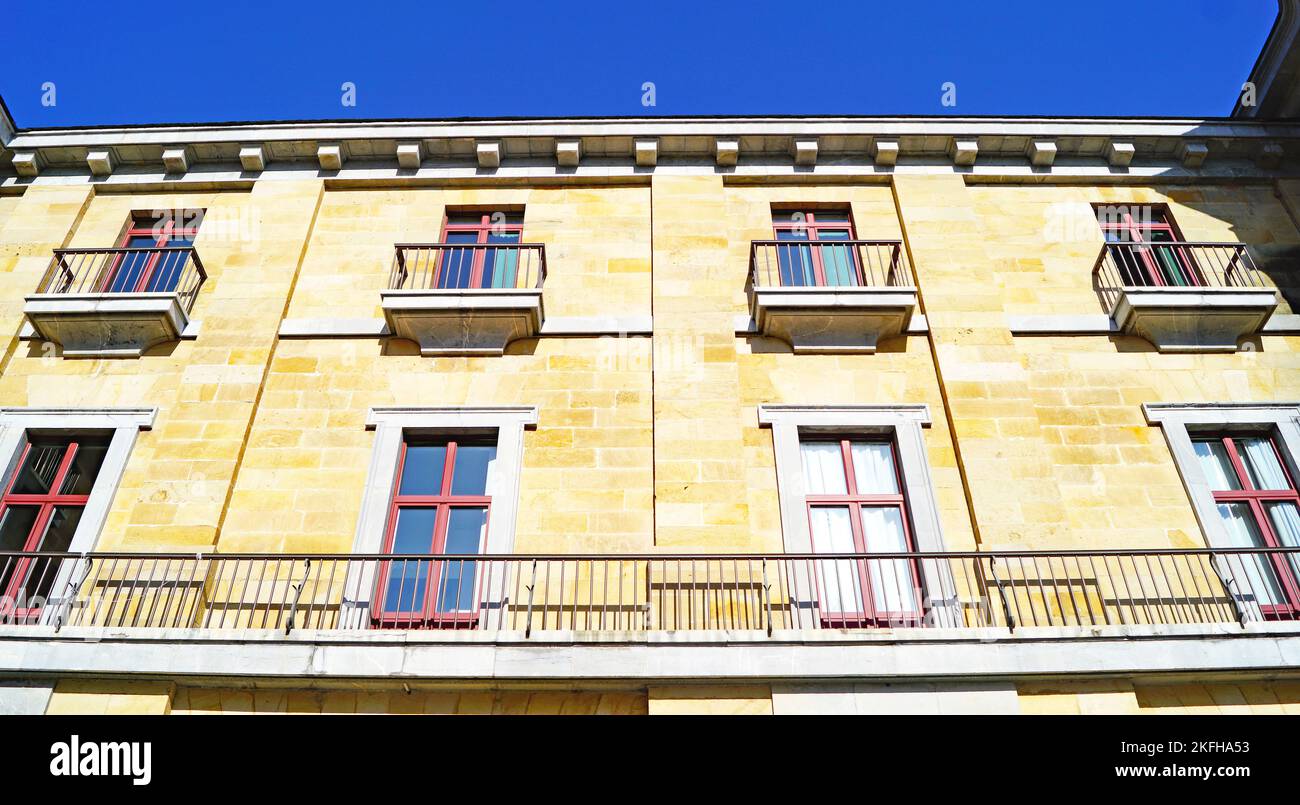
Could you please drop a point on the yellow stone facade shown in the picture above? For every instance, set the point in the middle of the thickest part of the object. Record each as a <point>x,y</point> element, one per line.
<point>645,443</point>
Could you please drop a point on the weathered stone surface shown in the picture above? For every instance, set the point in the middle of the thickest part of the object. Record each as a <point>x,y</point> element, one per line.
<point>106,325</point>
<point>835,320</point>
<point>463,322</point>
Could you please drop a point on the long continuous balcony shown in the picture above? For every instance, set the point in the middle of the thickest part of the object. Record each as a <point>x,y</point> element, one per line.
<point>759,593</point>
<point>116,302</point>
<point>830,296</point>
<point>465,299</point>
<point>1184,297</point>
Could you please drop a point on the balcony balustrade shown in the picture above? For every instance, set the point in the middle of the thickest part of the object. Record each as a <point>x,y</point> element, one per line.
<point>115,302</point>
<point>1184,297</point>
<point>762,593</point>
<point>830,296</point>
<point>465,299</point>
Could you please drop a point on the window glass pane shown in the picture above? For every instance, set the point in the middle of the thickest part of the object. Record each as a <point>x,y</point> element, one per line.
<point>422,470</point>
<point>456,265</point>
<point>57,539</point>
<point>465,219</point>
<point>823,468</point>
<point>473,463</point>
<point>36,476</point>
<point>1262,466</point>
<point>166,272</point>
<point>839,265</point>
<point>1285,517</point>
<point>1216,465</point>
<point>1255,579</point>
<point>85,468</point>
<point>832,234</point>
<point>407,580</point>
<point>15,527</point>
<point>893,584</point>
<point>839,579</point>
<point>831,216</point>
<point>873,468</point>
<point>795,263</point>
<point>466,534</point>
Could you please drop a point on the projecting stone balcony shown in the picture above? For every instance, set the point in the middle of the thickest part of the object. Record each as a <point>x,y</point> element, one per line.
<point>465,299</point>
<point>115,302</point>
<point>836,297</point>
<point>1184,297</point>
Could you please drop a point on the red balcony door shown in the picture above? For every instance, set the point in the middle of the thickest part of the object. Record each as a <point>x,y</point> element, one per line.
<point>440,506</point>
<point>39,512</point>
<point>856,505</point>
<point>1149,248</point>
<point>1257,499</point>
<point>474,264</point>
<point>150,272</point>
<point>818,254</point>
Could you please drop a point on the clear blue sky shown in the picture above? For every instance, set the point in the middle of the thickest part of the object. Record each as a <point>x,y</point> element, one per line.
<point>269,60</point>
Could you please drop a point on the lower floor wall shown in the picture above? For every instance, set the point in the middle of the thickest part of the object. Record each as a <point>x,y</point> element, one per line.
<point>1064,697</point>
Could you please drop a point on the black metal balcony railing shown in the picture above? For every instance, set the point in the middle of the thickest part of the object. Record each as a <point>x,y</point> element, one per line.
<point>159,269</point>
<point>840,263</point>
<point>464,266</point>
<point>1174,265</point>
<point>650,592</point>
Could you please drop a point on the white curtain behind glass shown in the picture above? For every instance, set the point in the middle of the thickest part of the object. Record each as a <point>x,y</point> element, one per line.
<point>823,468</point>
<point>873,468</point>
<point>1286,524</point>
<point>840,584</point>
<point>1252,572</point>
<point>1214,463</point>
<point>892,582</point>
<point>1262,464</point>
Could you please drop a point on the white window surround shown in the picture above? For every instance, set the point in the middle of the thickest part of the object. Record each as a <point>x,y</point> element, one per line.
<point>124,424</point>
<point>903,424</point>
<point>1180,421</point>
<point>390,425</point>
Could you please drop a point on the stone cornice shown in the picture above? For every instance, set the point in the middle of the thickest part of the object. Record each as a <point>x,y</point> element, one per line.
<point>531,149</point>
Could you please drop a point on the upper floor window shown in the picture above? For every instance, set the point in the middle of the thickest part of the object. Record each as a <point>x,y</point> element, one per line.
<point>856,504</point>
<point>39,513</point>
<point>1257,500</point>
<point>1137,233</point>
<point>440,505</point>
<point>834,263</point>
<point>489,262</point>
<point>143,267</point>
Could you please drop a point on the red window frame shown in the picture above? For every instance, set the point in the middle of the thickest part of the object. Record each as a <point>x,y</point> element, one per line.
<point>430,614</point>
<point>854,501</point>
<point>813,227</point>
<point>163,229</point>
<point>483,228</point>
<point>47,503</point>
<point>1255,499</point>
<point>1140,243</point>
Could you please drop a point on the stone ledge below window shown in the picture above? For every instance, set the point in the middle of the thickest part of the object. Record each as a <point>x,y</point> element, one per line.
<point>1194,319</point>
<point>832,319</point>
<point>463,321</point>
<point>116,325</point>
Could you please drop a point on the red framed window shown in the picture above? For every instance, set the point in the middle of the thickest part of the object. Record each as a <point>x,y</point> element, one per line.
<point>479,266</point>
<point>1139,232</point>
<point>152,272</point>
<point>39,512</point>
<point>440,505</point>
<point>856,504</point>
<point>826,259</point>
<point>1256,497</point>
